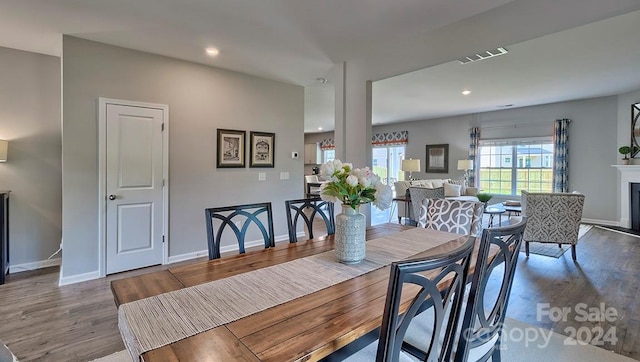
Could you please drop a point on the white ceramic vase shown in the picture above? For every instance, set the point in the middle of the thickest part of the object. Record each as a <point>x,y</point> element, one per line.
<point>350,235</point>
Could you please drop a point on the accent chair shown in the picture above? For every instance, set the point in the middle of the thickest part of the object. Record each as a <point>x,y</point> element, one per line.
<point>552,218</point>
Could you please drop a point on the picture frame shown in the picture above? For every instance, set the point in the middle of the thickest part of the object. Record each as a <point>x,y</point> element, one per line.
<point>231,149</point>
<point>437,158</point>
<point>635,129</point>
<point>262,149</point>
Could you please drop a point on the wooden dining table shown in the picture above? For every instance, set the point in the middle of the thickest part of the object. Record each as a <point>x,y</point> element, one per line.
<point>307,328</point>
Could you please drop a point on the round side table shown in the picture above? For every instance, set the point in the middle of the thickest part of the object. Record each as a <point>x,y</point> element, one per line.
<point>494,210</point>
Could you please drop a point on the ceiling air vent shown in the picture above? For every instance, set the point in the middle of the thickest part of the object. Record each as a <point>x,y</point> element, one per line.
<point>483,55</point>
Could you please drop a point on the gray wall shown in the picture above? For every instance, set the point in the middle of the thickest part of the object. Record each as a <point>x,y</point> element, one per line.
<point>593,137</point>
<point>200,99</point>
<point>624,135</point>
<point>30,121</point>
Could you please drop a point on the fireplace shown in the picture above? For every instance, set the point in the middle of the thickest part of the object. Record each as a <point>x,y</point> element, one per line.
<point>629,196</point>
<point>635,205</point>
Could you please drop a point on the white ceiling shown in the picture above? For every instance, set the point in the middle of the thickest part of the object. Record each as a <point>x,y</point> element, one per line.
<point>297,41</point>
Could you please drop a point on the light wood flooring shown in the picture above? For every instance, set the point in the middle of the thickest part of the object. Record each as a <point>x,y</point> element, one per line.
<point>40,321</point>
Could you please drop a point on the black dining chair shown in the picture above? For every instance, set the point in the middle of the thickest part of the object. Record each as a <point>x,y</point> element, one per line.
<point>308,210</point>
<point>238,218</point>
<point>416,281</point>
<point>480,326</point>
<point>486,310</point>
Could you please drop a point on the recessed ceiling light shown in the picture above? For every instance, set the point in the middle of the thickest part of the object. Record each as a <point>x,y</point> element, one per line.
<point>212,51</point>
<point>466,92</point>
<point>319,128</point>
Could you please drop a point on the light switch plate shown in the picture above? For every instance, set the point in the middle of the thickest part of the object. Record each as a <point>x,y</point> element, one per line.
<point>262,176</point>
<point>284,175</point>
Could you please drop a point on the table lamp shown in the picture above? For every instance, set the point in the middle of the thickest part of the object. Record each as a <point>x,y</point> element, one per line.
<point>410,165</point>
<point>466,166</point>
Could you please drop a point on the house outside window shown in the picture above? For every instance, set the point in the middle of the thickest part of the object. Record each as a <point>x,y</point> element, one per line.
<point>532,171</point>
<point>328,155</point>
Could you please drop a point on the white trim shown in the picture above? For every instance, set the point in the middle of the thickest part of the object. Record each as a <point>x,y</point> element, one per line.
<point>628,174</point>
<point>225,249</point>
<point>34,265</point>
<point>617,231</point>
<point>78,278</point>
<point>511,140</point>
<point>188,256</point>
<point>102,167</point>
<point>600,222</point>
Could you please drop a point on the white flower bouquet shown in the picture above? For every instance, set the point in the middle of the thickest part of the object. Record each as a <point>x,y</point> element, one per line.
<point>353,186</point>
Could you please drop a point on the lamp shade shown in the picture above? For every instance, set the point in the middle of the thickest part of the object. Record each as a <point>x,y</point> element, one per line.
<point>4,146</point>
<point>465,165</point>
<point>410,165</point>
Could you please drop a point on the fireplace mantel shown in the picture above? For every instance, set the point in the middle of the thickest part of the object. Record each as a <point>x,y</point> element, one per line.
<point>628,174</point>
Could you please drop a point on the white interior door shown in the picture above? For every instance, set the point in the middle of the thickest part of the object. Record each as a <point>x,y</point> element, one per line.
<point>134,195</point>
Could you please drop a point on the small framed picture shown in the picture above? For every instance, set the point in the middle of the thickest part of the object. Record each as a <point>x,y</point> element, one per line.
<point>230,148</point>
<point>438,158</point>
<point>262,149</point>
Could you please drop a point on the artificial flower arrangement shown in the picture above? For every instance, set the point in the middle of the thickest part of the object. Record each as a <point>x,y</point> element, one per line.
<point>353,186</point>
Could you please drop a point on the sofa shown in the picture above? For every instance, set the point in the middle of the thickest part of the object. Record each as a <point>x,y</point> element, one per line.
<point>402,190</point>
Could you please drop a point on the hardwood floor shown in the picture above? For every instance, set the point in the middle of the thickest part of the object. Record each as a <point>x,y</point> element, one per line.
<point>605,277</point>
<point>40,321</point>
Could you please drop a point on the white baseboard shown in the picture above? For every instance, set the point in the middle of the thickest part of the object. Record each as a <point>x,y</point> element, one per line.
<point>600,222</point>
<point>34,265</point>
<point>227,248</point>
<point>187,256</point>
<point>78,278</point>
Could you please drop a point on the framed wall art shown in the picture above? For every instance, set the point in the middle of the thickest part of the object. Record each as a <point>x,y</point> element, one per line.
<point>438,158</point>
<point>635,129</point>
<point>261,149</point>
<point>231,148</point>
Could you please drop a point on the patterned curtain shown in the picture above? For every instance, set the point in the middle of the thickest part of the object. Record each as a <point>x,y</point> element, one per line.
<point>560,155</point>
<point>474,136</point>
<point>396,138</point>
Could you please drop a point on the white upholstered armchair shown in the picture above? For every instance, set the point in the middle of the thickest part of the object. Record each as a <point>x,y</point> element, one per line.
<point>552,218</point>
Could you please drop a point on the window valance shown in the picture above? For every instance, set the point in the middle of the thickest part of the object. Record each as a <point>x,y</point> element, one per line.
<point>396,138</point>
<point>327,144</point>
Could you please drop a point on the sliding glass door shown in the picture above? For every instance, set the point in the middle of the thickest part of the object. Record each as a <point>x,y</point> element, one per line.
<point>386,164</point>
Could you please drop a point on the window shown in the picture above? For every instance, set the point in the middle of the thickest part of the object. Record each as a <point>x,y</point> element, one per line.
<point>531,171</point>
<point>328,155</point>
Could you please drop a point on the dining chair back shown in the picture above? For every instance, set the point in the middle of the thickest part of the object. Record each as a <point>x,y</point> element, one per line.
<point>454,216</point>
<point>414,285</point>
<point>422,276</point>
<point>309,210</point>
<point>238,218</point>
<point>485,310</point>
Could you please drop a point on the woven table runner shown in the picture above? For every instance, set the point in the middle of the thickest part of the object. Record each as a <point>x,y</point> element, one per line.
<point>156,321</point>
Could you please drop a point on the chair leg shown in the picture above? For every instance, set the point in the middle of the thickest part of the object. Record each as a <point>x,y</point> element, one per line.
<point>495,356</point>
<point>560,246</point>
<point>526,248</point>
<point>573,252</point>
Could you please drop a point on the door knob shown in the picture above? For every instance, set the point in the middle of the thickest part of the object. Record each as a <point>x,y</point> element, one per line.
<point>112,197</point>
